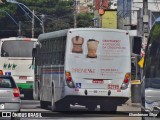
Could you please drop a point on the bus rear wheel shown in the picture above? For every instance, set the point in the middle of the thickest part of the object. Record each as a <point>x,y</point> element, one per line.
<point>62,106</point>
<point>43,104</point>
<point>53,107</point>
<point>28,94</point>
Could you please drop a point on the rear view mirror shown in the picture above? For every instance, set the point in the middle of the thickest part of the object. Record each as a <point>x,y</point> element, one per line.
<point>34,52</point>
<point>136,45</point>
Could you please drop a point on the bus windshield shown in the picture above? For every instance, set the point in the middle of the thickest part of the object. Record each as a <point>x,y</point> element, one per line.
<point>17,48</point>
<point>152,83</point>
<point>152,62</point>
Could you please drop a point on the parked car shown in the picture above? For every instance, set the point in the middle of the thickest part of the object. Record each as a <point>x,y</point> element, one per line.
<point>9,95</point>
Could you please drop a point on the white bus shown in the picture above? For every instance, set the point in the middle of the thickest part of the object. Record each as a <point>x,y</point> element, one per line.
<point>16,60</point>
<point>85,66</point>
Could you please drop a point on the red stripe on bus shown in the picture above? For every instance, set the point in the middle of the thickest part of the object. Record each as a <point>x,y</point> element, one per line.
<point>27,39</point>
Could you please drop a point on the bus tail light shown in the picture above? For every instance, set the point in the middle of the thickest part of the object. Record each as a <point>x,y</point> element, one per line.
<point>1,72</point>
<point>69,80</point>
<point>16,92</point>
<point>126,81</point>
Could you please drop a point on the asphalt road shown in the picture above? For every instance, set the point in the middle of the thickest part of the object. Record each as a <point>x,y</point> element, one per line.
<point>34,106</point>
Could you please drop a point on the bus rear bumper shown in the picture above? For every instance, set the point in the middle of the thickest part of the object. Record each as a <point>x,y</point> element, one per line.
<point>84,100</point>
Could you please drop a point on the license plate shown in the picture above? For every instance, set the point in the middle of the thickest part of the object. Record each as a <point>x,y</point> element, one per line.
<point>1,106</point>
<point>23,77</point>
<point>97,81</point>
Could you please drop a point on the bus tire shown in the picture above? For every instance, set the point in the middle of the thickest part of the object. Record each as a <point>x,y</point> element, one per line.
<point>108,107</point>
<point>53,108</point>
<point>28,95</point>
<point>43,104</point>
<point>38,91</point>
<point>62,106</point>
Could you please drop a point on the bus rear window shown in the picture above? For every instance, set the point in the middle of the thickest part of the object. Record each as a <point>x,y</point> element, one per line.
<point>17,48</point>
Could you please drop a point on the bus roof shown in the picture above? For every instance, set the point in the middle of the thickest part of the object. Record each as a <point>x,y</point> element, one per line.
<point>100,29</point>
<point>18,38</point>
<point>53,34</point>
<point>64,32</point>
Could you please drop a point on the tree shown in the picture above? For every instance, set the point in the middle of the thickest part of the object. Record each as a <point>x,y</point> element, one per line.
<point>85,20</point>
<point>58,14</point>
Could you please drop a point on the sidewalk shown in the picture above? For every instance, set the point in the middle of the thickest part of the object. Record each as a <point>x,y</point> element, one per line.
<point>129,103</point>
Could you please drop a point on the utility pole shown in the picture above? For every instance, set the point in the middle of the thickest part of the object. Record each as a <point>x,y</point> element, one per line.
<point>145,21</point>
<point>33,24</point>
<point>75,14</point>
<point>140,22</point>
<point>19,31</point>
<point>100,17</point>
<point>42,17</point>
<point>20,5</point>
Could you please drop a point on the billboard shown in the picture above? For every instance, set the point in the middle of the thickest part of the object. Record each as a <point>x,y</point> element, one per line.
<point>101,4</point>
<point>109,19</point>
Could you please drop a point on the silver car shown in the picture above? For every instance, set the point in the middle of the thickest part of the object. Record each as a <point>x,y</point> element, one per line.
<point>9,95</point>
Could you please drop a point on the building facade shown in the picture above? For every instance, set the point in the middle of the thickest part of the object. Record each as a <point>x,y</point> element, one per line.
<point>83,6</point>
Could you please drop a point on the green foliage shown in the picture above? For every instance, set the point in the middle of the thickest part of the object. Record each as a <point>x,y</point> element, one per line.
<point>9,8</point>
<point>85,19</point>
<point>58,15</point>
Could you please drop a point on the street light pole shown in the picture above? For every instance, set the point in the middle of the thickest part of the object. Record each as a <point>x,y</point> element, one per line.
<point>75,13</point>
<point>9,16</point>
<point>33,25</point>
<point>15,2</point>
<point>19,31</point>
<point>42,17</point>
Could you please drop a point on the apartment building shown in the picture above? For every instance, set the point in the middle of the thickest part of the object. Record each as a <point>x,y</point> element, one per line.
<point>84,6</point>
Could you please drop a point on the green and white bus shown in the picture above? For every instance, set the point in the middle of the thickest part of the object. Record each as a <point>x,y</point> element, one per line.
<point>16,60</point>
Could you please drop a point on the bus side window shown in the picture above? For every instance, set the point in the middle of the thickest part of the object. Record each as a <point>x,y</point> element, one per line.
<point>43,52</point>
<point>57,51</point>
<point>63,47</point>
<point>53,50</point>
<point>61,51</point>
<point>50,51</point>
<point>47,52</point>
